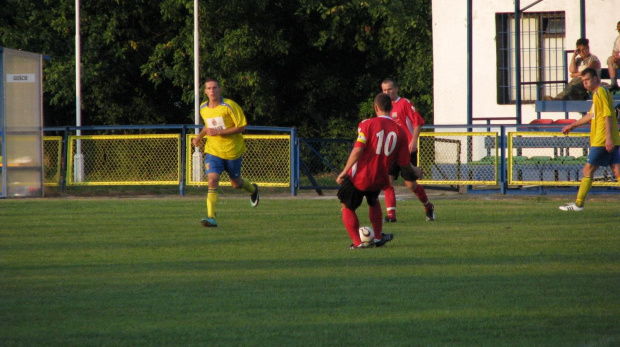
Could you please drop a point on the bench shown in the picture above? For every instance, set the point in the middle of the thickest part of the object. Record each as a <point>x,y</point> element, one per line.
<point>605,73</point>
<point>581,106</point>
<point>563,106</point>
<point>570,105</point>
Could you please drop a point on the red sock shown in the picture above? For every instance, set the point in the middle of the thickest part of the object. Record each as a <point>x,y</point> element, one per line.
<point>352,224</point>
<point>421,194</point>
<point>390,201</point>
<point>376,218</point>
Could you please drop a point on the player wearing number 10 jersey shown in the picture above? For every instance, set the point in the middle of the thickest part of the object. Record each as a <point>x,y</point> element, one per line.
<point>380,142</point>
<point>383,143</point>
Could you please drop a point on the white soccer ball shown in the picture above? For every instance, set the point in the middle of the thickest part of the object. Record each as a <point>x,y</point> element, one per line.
<point>367,235</point>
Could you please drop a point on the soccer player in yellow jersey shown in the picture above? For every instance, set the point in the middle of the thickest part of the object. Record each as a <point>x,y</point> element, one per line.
<point>604,138</point>
<point>224,124</point>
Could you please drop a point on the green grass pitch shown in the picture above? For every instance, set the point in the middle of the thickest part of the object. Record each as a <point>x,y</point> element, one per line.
<point>491,271</point>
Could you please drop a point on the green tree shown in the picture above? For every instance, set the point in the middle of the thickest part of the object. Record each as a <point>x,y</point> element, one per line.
<point>393,38</point>
<point>311,64</point>
<point>242,44</point>
<point>117,38</point>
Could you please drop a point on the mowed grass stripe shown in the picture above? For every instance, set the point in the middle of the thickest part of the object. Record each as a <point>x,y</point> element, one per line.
<point>489,271</point>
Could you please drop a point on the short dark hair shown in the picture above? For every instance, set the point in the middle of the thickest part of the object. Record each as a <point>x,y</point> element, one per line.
<point>383,102</point>
<point>583,42</point>
<point>589,71</point>
<point>389,80</point>
<point>212,79</point>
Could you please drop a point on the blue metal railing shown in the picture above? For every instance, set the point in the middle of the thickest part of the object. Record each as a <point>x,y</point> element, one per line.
<point>329,163</point>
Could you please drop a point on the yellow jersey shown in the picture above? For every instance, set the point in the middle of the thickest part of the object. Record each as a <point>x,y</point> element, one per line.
<point>224,116</point>
<point>602,108</point>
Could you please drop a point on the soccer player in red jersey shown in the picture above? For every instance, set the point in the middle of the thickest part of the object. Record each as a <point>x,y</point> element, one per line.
<point>405,115</point>
<point>380,143</point>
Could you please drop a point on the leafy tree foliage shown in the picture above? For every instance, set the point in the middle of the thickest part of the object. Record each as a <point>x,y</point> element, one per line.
<point>311,64</point>
<point>117,38</point>
<point>371,40</point>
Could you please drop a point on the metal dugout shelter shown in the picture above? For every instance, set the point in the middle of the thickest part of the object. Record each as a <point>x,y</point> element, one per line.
<point>21,124</point>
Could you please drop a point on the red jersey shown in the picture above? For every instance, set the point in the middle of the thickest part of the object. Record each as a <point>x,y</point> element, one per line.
<point>405,115</point>
<point>384,142</point>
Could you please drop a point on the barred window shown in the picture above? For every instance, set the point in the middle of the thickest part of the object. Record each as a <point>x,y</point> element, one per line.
<point>542,56</point>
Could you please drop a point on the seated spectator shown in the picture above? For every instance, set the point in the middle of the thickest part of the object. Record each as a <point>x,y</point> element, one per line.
<point>582,59</point>
<point>613,62</point>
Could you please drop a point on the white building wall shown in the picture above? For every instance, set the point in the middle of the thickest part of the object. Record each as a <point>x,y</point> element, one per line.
<point>450,52</point>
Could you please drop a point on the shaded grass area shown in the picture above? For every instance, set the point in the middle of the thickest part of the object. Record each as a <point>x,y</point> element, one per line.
<point>488,272</point>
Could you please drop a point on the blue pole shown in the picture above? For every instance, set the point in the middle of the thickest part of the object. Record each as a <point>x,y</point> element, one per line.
<point>518,59</point>
<point>63,160</point>
<point>503,184</point>
<point>582,17</point>
<point>294,162</point>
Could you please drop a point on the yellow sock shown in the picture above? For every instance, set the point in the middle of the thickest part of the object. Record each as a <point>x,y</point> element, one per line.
<point>212,196</point>
<point>247,186</point>
<point>584,188</point>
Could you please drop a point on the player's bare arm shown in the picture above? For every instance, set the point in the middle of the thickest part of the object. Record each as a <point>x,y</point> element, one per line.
<point>353,157</point>
<point>413,145</point>
<point>583,120</point>
<point>198,138</point>
<point>609,142</point>
<point>220,132</point>
<point>216,132</point>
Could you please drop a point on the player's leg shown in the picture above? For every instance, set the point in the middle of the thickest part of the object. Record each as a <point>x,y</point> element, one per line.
<point>571,89</point>
<point>213,194</point>
<point>616,171</point>
<point>390,202</point>
<point>586,184</point>
<point>214,166</point>
<point>351,224</point>
<point>411,181</point>
<point>350,199</point>
<point>598,156</point>
<point>420,193</point>
<point>418,190</point>
<point>615,162</point>
<point>375,214</point>
<point>390,195</point>
<point>233,168</point>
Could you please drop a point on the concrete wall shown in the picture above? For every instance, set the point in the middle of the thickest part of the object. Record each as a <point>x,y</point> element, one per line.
<point>450,52</point>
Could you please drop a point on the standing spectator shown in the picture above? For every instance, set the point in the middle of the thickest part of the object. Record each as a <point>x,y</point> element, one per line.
<point>613,62</point>
<point>604,138</point>
<point>224,124</point>
<point>582,59</point>
<point>408,118</point>
<point>380,143</point>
